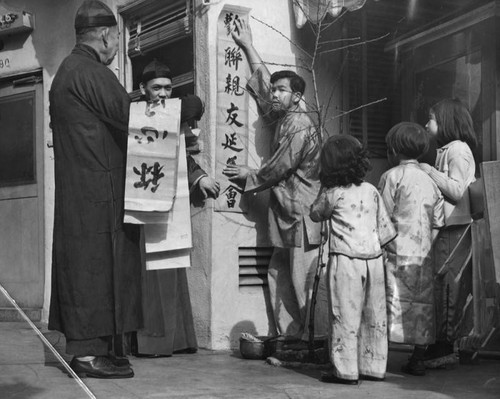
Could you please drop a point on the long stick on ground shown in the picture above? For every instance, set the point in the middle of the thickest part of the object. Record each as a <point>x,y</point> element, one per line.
<point>319,267</point>
<point>47,343</point>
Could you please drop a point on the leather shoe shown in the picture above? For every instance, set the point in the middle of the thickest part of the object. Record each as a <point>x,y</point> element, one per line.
<point>100,367</point>
<point>118,361</point>
<point>149,355</point>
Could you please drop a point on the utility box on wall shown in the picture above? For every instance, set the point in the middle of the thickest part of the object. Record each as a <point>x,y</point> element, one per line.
<point>14,22</point>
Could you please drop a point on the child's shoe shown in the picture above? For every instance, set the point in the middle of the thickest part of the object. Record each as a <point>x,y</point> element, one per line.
<point>440,355</point>
<point>371,377</point>
<point>414,367</point>
<point>332,378</point>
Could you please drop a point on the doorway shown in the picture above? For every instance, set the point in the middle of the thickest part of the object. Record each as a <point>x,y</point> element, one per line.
<point>21,196</point>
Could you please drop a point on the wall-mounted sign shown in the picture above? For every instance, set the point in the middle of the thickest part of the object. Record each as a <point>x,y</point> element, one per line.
<point>15,22</point>
<point>232,107</point>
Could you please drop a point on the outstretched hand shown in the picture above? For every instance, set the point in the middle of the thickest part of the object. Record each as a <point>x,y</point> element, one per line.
<point>242,34</point>
<point>236,173</point>
<point>209,187</point>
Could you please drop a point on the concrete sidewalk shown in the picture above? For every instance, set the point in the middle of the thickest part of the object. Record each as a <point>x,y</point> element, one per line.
<point>29,370</point>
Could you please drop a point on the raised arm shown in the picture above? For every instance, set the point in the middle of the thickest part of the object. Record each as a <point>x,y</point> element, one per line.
<point>242,35</point>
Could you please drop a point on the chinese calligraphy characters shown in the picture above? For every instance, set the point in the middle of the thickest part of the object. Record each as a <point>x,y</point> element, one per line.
<point>232,104</point>
<point>149,134</point>
<point>154,171</point>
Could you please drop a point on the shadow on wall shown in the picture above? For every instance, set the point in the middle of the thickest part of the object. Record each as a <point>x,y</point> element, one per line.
<point>244,326</point>
<point>54,34</point>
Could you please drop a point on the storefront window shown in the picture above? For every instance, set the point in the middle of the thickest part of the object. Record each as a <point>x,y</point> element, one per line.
<point>459,78</point>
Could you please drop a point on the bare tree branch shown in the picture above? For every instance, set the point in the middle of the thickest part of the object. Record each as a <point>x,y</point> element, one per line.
<point>281,34</point>
<point>356,44</point>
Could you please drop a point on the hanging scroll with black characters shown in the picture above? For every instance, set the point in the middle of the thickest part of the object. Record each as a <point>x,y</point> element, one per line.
<point>232,107</point>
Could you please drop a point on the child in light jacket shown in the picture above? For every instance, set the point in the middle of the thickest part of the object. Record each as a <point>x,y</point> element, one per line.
<point>415,205</point>
<point>359,227</point>
<point>451,123</point>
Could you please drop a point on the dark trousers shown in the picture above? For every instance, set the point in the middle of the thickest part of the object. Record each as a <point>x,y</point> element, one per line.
<point>453,286</point>
<point>89,347</point>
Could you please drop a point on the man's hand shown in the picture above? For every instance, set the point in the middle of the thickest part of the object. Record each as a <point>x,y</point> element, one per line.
<point>242,34</point>
<point>236,173</point>
<point>209,187</point>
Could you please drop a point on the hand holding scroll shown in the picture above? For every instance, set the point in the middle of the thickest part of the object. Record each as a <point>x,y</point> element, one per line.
<point>236,173</point>
<point>209,187</point>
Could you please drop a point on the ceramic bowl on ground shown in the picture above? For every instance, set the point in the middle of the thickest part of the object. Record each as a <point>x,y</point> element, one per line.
<point>253,350</point>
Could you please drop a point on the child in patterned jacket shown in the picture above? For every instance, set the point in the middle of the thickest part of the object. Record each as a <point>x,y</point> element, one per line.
<point>415,205</point>
<point>359,227</point>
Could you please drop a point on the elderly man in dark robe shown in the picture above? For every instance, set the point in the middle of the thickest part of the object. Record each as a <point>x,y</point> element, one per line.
<point>96,269</point>
<point>291,174</point>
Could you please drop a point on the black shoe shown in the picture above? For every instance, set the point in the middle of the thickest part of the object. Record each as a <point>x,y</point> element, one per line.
<point>331,378</point>
<point>440,355</point>
<point>150,355</point>
<point>414,367</point>
<point>118,361</point>
<point>189,351</point>
<point>100,367</point>
<point>371,377</point>
<point>437,350</point>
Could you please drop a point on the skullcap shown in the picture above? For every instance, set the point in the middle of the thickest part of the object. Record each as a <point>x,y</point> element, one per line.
<point>154,70</point>
<point>94,13</point>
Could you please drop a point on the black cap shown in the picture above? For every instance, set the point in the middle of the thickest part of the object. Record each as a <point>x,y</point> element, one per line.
<point>94,13</point>
<point>154,70</point>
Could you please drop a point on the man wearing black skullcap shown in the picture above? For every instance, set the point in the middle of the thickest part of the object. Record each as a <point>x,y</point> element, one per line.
<point>168,320</point>
<point>156,87</point>
<point>96,265</point>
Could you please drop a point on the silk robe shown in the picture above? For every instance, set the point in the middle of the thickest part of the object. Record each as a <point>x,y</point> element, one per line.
<point>416,208</point>
<point>291,173</point>
<point>359,227</point>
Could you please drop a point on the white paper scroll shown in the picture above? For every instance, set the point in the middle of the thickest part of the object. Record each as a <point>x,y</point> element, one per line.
<point>167,235</point>
<point>168,245</point>
<point>151,176</point>
<point>232,107</point>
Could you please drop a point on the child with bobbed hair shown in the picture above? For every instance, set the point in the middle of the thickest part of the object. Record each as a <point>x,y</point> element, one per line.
<point>415,205</point>
<point>359,227</point>
<point>454,170</point>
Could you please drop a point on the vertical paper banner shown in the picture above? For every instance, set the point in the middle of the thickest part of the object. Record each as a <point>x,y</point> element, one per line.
<point>151,176</point>
<point>232,107</point>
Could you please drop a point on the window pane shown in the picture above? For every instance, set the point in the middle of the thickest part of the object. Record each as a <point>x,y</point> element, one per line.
<point>17,156</point>
<point>459,78</point>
